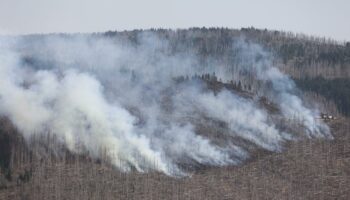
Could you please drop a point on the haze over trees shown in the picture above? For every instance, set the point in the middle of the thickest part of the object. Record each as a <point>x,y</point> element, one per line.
<point>314,165</point>
<point>307,59</point>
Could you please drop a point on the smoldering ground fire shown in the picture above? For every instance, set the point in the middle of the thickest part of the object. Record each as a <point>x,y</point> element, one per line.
<point>98,93</point>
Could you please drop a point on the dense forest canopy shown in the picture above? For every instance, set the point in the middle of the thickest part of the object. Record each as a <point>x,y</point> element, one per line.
<point>336,90</point>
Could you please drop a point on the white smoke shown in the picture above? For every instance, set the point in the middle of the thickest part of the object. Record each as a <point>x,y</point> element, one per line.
<point>281,90</point>
<point>106,95</point>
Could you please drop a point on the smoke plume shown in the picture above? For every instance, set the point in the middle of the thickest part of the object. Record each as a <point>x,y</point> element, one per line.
<point>98,94</point>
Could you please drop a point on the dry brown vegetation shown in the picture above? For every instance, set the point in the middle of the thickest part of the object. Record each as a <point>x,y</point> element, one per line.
<point>305,169</point>
<point>310,169</point>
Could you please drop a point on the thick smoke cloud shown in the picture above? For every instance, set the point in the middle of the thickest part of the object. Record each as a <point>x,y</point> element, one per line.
<point>100,95</point>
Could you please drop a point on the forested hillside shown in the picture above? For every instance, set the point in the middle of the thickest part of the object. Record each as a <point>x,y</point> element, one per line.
<point>300,55</point>
<point>317,64</point>
<point>336,90</point>
<point>199,113</point>
<point>305,58</point>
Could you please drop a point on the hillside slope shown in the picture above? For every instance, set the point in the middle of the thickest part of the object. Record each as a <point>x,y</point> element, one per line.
<point>307,170</point>
<point>174,114</point>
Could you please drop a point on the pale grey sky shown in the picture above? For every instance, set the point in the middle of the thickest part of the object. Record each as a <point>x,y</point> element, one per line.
<point>329,18</point>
